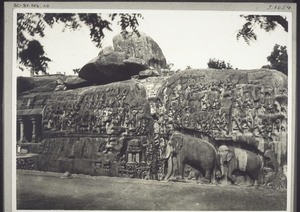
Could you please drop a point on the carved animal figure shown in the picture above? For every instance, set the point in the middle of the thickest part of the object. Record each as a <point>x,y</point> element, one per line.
<point>235,159</point>
<point>198,153</point>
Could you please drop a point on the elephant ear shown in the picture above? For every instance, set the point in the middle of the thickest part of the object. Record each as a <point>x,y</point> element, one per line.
<point>229,156</point>
<point>177,142</point>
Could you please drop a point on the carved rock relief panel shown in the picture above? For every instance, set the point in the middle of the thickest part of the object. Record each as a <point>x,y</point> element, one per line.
<point>109,110</point>
<point>241,104</point>
<point>124,130</point>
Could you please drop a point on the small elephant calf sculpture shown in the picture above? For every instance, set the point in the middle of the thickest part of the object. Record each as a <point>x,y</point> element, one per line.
<point>232,159</point>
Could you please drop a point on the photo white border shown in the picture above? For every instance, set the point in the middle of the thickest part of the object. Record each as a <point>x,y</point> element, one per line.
<point>10,79</point>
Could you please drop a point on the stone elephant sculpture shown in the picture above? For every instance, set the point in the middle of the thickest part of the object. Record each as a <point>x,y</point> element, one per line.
<point>184,149</point>
<point>232,159</point>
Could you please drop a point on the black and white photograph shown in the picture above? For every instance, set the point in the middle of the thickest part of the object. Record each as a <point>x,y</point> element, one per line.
<point>150,106</point>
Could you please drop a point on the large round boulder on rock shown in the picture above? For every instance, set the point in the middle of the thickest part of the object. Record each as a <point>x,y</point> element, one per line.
<point>140,46</point>
<point>111,66</point>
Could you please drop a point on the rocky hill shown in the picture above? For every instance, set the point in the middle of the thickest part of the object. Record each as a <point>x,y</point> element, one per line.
<point>121,128</point>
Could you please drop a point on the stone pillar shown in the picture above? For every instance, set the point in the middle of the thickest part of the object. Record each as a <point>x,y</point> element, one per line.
<point>22,135</point>
<point>129,158</point>
<point>33,121</point>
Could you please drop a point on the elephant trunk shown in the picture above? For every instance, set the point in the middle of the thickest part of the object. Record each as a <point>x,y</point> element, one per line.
<point>218,168</point>
<point>222,170</point>
<point>221,157</point>
<point>169,157</point>
<point>170,168</point>
<point>169,151</point>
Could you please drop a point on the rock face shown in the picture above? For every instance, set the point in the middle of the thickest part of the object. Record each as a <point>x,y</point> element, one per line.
<point>74,82</point>
<point>245,109</point>
<point>49,83</point>
<point>149,73</point>
<point>143,47</point>
<point>111,66</point>
<point>121,129</point>
<point>129,55</point>
<point>39,83</point>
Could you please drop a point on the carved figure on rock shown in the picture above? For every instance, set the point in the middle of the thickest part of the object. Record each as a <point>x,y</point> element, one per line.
<point>235,159</point>
<point>185,149</point>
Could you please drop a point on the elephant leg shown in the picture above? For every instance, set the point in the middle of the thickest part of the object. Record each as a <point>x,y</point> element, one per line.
<point>232,177</point>
<point>230,171</point>
<point>213,176</point>
<point>182,171</point>
<point>181,167</point>
<point>257,177</point>
<point>260,180</point>
<point>197,174</point>
<point>207,177</point>
<point>170,168</point>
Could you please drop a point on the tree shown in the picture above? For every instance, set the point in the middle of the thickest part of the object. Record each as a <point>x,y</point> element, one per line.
<point>32,25</point>
<point>265,22</point>
<point>218,64</point>
<point>76,70</point>
<point>34,57</point>
<point>278,59</point>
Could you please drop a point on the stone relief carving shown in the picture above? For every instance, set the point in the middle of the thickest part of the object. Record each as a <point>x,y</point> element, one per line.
<point>134,130</point>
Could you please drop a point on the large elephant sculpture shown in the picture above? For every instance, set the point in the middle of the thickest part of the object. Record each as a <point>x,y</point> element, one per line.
<point>184,149</point>
<point>235,159</point>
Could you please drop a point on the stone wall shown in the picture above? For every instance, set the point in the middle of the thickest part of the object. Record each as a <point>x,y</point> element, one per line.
<point>121,129</point>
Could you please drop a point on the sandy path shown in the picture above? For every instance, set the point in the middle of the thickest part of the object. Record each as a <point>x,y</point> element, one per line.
<point>44,190</point>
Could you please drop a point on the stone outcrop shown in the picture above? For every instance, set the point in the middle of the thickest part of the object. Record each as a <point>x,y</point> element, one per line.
<point>130,54</point>
<point>121,129</point>
<point>73,82</point>
<point>135,61</point>
<point>39,84</point>
<point>111,66</point>
<point>140,46</point>
<point>149,73</point>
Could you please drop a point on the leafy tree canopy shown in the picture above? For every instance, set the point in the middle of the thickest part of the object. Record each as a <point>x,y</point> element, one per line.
<point>218,64</point>
<point>278,59</point>
<point>34,57</point>
<point>265,22</point>
<point>30,25</point>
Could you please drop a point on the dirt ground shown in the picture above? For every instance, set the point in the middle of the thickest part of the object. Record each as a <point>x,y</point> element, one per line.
<point>45,190</point>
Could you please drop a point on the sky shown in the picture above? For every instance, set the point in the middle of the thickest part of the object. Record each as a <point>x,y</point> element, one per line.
<point>187,38</point>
